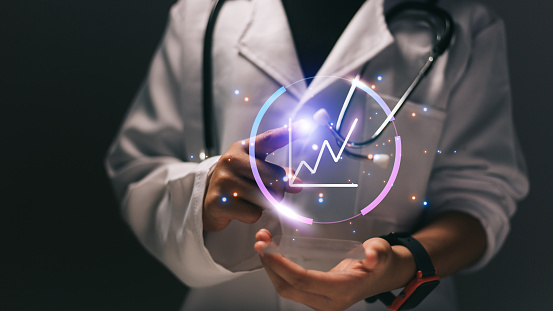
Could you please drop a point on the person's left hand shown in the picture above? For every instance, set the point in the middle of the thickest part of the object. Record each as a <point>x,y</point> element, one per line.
<point>352,280</point>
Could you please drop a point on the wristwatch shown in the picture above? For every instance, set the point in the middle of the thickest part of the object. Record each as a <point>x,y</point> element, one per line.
<point>419,287</point>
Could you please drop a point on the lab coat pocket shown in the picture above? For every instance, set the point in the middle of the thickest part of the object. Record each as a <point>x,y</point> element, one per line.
<point>419,129</point>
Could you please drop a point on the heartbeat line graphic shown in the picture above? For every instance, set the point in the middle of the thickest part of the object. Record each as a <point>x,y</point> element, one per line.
<point>313,170</point>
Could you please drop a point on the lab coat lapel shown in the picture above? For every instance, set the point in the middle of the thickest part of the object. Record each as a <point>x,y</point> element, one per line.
<point>366,35</point>
<point>267,43</point>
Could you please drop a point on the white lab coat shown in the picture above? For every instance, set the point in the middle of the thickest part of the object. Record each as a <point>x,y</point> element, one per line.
<point>156,172</point>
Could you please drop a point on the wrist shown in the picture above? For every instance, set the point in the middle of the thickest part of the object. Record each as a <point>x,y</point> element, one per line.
<point>403,267</point>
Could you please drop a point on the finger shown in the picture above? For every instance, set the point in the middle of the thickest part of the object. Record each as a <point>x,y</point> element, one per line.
<point>260,247</point>
<point>263,235</point>
<point>317,282</point>
<point>269,173</point>
<point>227,187</point>
<point>376,253</point>
<point>243,210</point>
<point>248,191</point>
<point>263,238</point>
<point>271,140</point>
<point>284,289</point>
<point>276,178</point>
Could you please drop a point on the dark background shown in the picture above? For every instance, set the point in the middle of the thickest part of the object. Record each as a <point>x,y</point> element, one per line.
<point>69,70</point>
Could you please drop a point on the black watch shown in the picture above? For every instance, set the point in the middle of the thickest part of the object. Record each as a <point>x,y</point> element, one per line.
<point>420,286</point>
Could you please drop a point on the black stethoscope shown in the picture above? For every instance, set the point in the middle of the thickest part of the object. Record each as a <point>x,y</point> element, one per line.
<point>442,23</point>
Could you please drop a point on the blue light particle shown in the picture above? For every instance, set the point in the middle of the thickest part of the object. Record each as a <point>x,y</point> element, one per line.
<point>321,200</point>
<point>379,78</point>
<point>236,92</point>
<point>425,203</point>
<point>425,109</point>
<point>224,199</point>
<point>454,151</point>
<point>353,231</point>
<point>191,157</point>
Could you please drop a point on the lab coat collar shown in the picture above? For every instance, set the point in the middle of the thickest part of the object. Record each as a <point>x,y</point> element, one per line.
<point>267,43</point>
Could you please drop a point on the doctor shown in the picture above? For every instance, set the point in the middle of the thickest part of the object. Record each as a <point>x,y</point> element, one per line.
<point>461,155</point>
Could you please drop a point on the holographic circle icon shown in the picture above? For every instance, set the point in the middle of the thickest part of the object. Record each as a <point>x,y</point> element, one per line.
<point>288,210</point>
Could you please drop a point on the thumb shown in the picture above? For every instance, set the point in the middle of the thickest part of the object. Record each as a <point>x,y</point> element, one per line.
<point>271,140</point>
<point>377,252</point>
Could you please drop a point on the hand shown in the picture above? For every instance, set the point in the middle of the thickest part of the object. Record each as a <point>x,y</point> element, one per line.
<point>384,268</point>
<point>232,192</point>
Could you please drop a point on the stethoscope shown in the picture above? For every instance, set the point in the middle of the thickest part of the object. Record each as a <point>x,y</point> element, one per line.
<point>442,23</point>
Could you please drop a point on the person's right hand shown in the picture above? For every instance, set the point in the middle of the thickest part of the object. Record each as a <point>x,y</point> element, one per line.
<point>232,192</point>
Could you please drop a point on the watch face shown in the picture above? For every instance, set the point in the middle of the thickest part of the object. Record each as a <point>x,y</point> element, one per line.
<point>418,295</point>
<point>346,150</point>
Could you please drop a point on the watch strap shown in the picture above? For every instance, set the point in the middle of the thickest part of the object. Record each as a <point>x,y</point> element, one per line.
<point>425,279</point>
<point>422,259</point>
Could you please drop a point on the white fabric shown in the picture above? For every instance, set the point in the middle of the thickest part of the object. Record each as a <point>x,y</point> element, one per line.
<point>154,161</point>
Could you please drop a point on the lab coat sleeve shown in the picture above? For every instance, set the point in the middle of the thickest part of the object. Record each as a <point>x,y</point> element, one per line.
<point>480,170</point>
<point>161,192</point>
